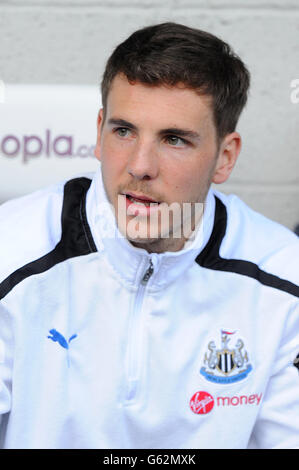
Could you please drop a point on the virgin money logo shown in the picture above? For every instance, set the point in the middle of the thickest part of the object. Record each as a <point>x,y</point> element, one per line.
<point>32,146</point>
<point>201,403</point>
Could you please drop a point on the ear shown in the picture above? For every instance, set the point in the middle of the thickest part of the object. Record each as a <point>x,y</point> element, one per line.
<point>99,131</point>
<point>229,150</point>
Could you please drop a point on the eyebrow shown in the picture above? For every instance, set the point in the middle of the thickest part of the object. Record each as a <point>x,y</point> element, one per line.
<point>121,122</point>
<point>180,132</point>
<point>171,130</point>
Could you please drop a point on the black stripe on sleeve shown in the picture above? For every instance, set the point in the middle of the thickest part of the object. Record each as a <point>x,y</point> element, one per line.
<point>210,257</point>
<point>76,238</point>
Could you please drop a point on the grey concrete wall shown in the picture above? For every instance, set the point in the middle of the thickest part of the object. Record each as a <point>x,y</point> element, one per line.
<point>68,41</point>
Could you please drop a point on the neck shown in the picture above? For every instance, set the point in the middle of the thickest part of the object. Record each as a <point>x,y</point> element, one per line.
<point>160,245</point>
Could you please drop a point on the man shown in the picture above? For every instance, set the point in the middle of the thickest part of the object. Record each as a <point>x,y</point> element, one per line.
<point>129,318</point>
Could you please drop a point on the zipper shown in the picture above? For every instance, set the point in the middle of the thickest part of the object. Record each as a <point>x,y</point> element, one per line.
<point>135,337</point>
<point>148,273</point>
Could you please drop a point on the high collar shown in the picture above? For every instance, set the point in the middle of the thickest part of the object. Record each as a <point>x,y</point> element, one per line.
<point>129,262</point>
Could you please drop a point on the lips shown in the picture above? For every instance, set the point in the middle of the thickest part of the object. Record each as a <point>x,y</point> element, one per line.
<point>140,204</point>
<point>140,197</point>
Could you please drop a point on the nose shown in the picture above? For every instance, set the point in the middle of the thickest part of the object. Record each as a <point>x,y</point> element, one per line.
<point>143,161</point>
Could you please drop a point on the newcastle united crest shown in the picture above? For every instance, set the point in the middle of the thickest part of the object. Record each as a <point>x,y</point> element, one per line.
<point>225,365</point>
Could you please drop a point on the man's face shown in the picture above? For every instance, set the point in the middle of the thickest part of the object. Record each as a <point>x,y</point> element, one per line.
<point>155,143</point>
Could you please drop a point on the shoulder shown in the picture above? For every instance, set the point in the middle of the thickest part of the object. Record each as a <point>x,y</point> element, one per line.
<point>31,225</point>
<point>252,237</point>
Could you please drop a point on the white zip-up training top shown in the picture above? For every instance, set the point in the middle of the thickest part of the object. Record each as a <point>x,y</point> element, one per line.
<point>103,345</point>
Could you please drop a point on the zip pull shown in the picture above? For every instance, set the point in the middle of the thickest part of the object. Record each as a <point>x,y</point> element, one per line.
<point>148,273</point>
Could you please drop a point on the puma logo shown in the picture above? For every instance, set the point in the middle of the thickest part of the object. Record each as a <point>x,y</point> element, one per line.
<point>56,336</point>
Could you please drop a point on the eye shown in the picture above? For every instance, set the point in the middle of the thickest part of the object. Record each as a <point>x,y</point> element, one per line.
<point>176,141</point>
<point>121,131</point>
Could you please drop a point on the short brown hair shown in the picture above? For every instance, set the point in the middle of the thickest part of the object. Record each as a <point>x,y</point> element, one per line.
<point>171,53</point>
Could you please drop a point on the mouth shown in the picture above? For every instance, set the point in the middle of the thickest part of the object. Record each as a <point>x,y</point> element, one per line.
<point>140,199</point>
<point>139,204</point>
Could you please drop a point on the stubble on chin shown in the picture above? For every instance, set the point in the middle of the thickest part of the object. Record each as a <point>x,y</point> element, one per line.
<point>162,234</point>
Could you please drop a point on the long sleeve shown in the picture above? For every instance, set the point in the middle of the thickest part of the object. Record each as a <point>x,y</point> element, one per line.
<point>277,426</point>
